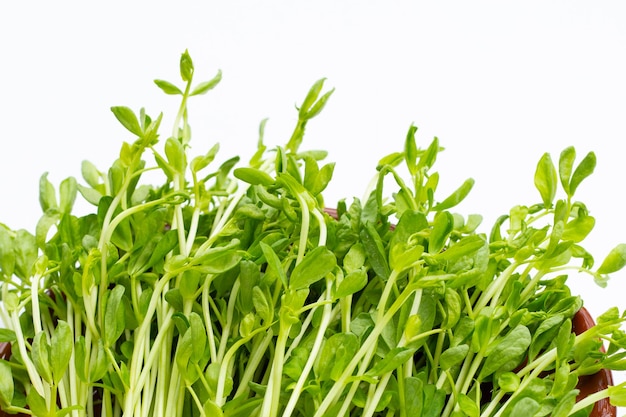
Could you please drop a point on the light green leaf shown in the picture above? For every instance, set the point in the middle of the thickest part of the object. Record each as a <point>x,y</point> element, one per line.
<point>205,86</point>
<point>615,260</point>
<point>583,170</point>
<point>546,179</point>
<point>168,87</point>
<point>128,119</point>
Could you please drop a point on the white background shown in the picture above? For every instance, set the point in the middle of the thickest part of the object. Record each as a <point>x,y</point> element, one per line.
<point>498,82</point>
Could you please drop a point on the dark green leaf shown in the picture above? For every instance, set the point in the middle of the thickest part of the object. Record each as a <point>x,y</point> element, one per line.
<point>507,353</point>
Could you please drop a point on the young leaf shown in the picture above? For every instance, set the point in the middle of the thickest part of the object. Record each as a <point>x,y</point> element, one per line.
<point>546,179</point>
<point>410,150</point>
<point>456,197</point>
<point>41,356</point>
<point>67,191</point>
<point>205,86</point>
<point>566,165</point>
<point>254,176</point>
<point>61,347</point>
<point>442,227</point>
<point>615,260</point>
<point>168,87</point>
<point>47,194</point>
<point>583,170</point>
<point>186,66</point>
<point>128,119</point>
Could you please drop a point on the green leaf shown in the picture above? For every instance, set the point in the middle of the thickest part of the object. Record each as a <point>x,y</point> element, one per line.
<point>583,170</point>
<point>353,282</point>
<point>186,66</point>
<point>508,381</point>
<point>261,305</point>
<point>41,356</point>
<point>200,162</point>
<point>428,158</point>
<point>168,87</point>
<point>457,196</point>
<point>546,179</point>
<point>507,353</point>
<point>7,335</point>
<point>566,165</point>
<point>61,347</point>
<point>392,360</point>
<point>315,265</point>
<point>617,395</point>
<point>274,264</point>
<point>67,191</point>
<point>577,229</point>
<point>442,227</point>
<point>37,404</point>
<point>468,406</point>
<point>254,176</point>
<point>128,119</point>
<point>205,86</point>
<point>114,316</point>
<point>337,351</point>
<point>311,97</point>
<point>373,245</point>
<point>615,260</point>
<point>176,157</point>
<point>410,150</point>
<point>6,384</point>
<point>453,356</point>
<point>47,194</point>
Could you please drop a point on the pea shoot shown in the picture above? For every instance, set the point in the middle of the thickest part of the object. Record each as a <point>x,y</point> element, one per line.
<point>232,290</point>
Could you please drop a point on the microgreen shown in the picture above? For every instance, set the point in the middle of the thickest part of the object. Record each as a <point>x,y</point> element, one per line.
<point>231,290</point>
